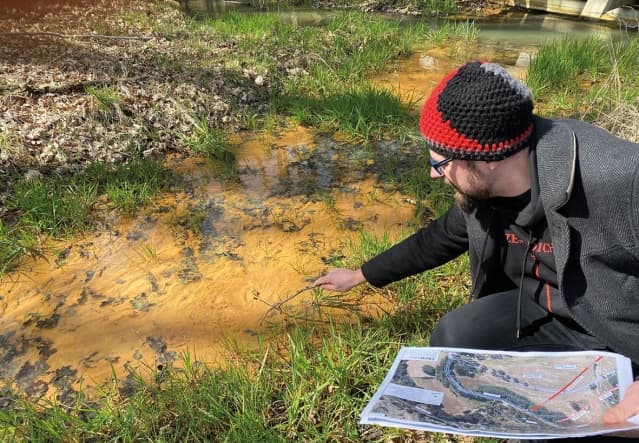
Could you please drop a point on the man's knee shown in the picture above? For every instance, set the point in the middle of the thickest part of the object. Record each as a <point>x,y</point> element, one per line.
<point>448,332</point>
<point>467,327</point>
<point>485,323</point>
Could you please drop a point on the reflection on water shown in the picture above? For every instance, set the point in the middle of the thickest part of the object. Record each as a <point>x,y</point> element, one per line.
<point>536,28</point>
<point>298,16</point>
<point>214,8</point>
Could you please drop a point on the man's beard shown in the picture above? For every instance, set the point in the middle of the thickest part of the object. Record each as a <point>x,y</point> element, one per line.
<point>469,202</point>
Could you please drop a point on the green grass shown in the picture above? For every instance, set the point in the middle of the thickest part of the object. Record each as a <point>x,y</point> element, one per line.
<point>362,114</point>
<point>209,141</point>
<point>334,61</point>
<point>327,87</point>
<point>560,63</point>
<point>57,206</point>
<point>107,100</point>
<point>582,77</point>
<point>15,243</point>
<point>352,47</point>
<point>336,96</point>
<point>366,44</point>
<point>454,34</point>
<point>60,206</point>
<point>132,185</point>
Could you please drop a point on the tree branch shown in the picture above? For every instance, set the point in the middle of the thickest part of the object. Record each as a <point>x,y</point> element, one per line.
<point>71,36</point>
<point>62,88</point>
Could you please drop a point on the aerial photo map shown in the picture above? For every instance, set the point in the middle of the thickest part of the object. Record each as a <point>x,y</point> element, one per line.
<point>501,394</point>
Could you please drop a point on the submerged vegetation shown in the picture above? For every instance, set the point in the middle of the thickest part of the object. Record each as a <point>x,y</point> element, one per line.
<point>311,382</point>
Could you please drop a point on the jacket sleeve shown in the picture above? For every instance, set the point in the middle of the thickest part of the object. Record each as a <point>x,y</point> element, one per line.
<point>431,246</point>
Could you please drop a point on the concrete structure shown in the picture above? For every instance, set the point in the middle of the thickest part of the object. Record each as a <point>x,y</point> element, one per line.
<point>612,10</point>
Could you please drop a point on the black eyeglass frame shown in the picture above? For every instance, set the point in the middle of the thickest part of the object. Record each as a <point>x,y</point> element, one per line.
<point>437,166</point>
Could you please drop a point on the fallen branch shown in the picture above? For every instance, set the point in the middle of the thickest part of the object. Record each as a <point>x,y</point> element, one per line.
<point>278,306</point>
<point>62,88</point>
<point>351,304</point>
<point>73,36</point>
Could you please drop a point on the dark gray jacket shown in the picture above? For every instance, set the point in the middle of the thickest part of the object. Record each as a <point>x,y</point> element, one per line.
<point>589,188</point>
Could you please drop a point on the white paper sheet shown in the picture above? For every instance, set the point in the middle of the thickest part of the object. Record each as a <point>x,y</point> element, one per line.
<point>501,394</point>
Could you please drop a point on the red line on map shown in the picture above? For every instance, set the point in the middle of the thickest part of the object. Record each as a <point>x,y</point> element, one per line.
<point>566,386</point>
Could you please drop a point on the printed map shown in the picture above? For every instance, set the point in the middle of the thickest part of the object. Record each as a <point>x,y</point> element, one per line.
<point>502,394</point>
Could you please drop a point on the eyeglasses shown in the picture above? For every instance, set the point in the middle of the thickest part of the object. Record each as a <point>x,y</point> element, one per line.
<point>437,166</point>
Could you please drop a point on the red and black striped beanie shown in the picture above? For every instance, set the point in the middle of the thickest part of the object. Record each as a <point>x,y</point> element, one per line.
<point>478,112</point>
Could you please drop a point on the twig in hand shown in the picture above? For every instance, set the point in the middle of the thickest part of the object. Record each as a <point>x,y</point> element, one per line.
<point>278,306</point>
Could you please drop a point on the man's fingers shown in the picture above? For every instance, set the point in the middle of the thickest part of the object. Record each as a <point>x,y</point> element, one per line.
<point>324,283</point>
<point>626,408</point>
<point>327,285</point>
<point>320,281</point>
<point>619,413</point>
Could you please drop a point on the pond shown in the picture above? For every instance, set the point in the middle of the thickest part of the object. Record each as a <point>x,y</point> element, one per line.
<point>198,270</point>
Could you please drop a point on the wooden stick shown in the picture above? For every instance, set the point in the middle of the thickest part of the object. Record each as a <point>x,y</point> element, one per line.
<point>59,35</point>
<point>67,87</point>
<point>278,306</point>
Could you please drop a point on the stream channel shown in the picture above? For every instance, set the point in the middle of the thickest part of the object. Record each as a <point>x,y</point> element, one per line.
<point>196,270</point>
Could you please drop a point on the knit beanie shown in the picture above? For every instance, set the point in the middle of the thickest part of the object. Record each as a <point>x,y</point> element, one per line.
<point>478,112</point>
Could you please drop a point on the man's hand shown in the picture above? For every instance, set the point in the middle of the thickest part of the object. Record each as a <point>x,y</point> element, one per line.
<point>340,279</point>
<point>626,408</point>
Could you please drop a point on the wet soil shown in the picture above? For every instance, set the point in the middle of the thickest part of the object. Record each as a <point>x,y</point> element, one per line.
<point>196,271</point>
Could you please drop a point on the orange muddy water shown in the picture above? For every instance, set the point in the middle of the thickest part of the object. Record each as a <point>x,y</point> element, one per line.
<point>182,276</point>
